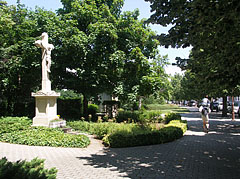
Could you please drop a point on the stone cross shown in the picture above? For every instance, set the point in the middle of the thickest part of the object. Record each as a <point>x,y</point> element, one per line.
<point>46,61</point>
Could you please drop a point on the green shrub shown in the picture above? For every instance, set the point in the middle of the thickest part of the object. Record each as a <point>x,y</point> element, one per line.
<point>93,109</point>
<point>80,125</point>
<point>178,123</point>
<point>70,104</point>
<point>69,108</point>
<point>152,116</point>
<point>69,94</point>
<point>11,124</point>
<point>174,130</point>
<point>171,116</point>
<point>132,134</point>
<point>27,170</point>
<point>104,128</point>
<point>41,136</point>
<point>130,116</point>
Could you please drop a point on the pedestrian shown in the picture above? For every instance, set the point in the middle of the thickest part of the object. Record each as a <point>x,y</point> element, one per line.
<point>205,110</point>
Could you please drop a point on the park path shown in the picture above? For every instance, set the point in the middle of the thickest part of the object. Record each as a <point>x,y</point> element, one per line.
<point>196,155</point>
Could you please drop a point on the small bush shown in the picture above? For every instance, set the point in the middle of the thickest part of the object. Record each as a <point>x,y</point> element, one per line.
<point>152,116</point>
<point>27,170</point>
<point>80,125</point>
<point>178,123</point>
<point>93,109</point>
<point>171,116</point>
<point>130,116</point>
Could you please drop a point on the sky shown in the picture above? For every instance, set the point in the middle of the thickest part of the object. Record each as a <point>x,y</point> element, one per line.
<point>129,5</point>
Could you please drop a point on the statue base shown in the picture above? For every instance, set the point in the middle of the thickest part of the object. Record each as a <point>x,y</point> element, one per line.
<point>45,108</point>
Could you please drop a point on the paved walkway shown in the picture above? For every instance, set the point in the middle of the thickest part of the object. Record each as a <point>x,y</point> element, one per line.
<point>196,155</point>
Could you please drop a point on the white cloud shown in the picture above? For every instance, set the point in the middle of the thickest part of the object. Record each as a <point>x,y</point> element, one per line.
<point>171,70</point>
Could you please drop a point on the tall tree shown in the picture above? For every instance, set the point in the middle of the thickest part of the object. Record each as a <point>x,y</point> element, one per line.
<point>212,29</point>
<point>116,48</point>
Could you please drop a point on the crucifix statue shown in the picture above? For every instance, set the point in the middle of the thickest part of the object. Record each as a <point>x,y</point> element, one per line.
<point>45,99</point>
<point>46,61</point>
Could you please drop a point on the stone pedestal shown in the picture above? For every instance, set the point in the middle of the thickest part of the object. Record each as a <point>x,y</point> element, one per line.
<point>46,107</point>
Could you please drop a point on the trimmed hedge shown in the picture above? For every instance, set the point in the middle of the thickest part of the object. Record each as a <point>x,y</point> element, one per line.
<point>27,170</point>
<point>69,108</point>
<point>171,132</point>
<point>130,116</point>
<point>171,116</point>
<point>104,128</point>
<point>128,135</point>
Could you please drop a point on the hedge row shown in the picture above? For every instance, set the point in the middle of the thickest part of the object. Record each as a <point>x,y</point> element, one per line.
<point>146,116</point>
<point>104,128</point>
<point>174,130</point>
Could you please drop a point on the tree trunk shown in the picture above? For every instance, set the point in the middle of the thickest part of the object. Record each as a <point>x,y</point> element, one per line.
<point>140,103</point>
<point>224,111</point>
<point>233,114</point>
<point>85,106</point>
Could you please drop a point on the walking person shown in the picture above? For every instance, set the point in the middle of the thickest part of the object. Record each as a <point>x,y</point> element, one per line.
<point>205,110</point>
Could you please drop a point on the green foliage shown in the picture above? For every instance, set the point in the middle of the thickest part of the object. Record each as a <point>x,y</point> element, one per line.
<point>80,125</point>
<point>210,28</point>
<point>69,94</point>
<point>12,124</point>
<point>132,134</point>
<point>19,131</point>
<point>97,49</point>
<point>166,108</point>
<point>41,136</point>
<point>171,116</point>
<point>129,139</point>
<point>128,116</point>
<point>24,169</point>
<point>102,129</point>
<point>152,116</point>
<point>178,123</point>
<point>177,92</point>
<point>69,108</point>
<point>93,109</point>
<point>153,100</point>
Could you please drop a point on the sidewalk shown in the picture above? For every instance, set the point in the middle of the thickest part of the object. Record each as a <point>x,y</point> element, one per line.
<point>196,155</point>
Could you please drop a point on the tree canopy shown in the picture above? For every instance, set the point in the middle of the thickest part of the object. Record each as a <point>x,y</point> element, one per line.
<point>98,49</point>
<point>212,29</point>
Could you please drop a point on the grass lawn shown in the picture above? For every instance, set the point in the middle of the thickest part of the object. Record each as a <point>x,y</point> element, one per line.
<point>167,108</point>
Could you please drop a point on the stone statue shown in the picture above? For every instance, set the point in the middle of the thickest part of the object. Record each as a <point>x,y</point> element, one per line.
<point>46,60</point>
<point>46,51</point>
<point>45,99</point>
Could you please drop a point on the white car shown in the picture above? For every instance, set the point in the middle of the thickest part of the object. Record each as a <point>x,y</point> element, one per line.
<point>235,107</point>
<point>220,106</point>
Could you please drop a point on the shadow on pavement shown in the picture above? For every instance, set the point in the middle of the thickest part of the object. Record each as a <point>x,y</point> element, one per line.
<point>196,155</point>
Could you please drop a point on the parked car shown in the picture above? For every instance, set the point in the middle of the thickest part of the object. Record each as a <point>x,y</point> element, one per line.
<point>215,106</point>
<point>235,108</point>
<point>220,106</point>
<point>192,103</point>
